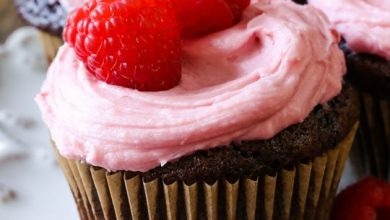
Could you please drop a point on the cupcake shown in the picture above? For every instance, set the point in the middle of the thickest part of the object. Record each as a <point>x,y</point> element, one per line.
<point>365,27</point>
<point>49,17</point>
<point>249,122</point>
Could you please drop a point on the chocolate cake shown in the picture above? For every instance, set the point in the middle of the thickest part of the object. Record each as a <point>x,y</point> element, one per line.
<point>369,73</point>
<point>326,126</point>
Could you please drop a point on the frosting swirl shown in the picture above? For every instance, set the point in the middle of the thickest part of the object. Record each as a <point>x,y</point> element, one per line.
<point>365,24</point>
<point>247,82</point>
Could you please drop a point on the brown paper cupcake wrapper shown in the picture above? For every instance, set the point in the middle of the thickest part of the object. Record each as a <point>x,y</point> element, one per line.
<point>305,192</point>
<point>371,151</point>
<point>50,44</point>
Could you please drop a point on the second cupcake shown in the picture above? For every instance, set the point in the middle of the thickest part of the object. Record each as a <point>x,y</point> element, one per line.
<point>365,26</point>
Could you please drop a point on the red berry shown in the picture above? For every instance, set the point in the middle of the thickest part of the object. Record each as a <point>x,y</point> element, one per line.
<point>367,200</point>
<point>131,43</point>
<point>200,17</point>
<point>354,212</point>
<point>383,213</point>
<point>384,207</point>
<point>386,199</point>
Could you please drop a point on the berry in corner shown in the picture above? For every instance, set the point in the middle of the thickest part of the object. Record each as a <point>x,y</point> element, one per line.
<point>369,199</point>
<point>200,17</point>
<point>130,43</point>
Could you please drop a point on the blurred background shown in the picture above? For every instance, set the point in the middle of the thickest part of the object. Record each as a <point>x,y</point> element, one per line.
<point>9,20</point>
<point>31,183</point>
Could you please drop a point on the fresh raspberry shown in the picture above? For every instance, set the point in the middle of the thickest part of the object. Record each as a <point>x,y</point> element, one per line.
<point>384,207</point>
<point>367,200</point>
<point>134,43</point>
<point>200,17</point>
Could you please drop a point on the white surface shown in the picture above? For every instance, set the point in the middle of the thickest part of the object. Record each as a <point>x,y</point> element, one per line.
<point>27,165</point>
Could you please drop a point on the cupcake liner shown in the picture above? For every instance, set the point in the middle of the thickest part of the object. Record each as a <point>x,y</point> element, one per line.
<point>371,151</point>
<point>50,44</point>
<point>305,191</point>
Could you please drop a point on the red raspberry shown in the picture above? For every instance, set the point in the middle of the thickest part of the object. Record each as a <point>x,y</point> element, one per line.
<point>384,207</point>
<point>355,213</point>
<point>199,17</point>
<point>383,213</point>
<point>134,43</point>
<point>367,200</point>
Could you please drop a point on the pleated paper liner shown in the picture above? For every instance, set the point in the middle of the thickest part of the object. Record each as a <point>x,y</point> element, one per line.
<point>304,192</point>
<point>371,151</point>
<point>51,44</point>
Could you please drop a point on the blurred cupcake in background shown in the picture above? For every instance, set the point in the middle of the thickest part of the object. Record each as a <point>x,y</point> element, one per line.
<point>365,27</point>
<point>49,16</point>
<point>249,122</point>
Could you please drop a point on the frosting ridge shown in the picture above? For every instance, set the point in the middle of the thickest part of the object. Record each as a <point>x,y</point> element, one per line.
<point>247,82</point>
<point>365,24</point>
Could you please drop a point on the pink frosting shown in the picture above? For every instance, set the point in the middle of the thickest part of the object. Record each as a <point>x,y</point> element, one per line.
<point>248,82</point>
<point>365,24</point>
<point>69,5</point>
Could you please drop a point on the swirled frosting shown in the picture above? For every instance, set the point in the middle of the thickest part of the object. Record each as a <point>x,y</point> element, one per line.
<point>247,82</point>
<point>365,24</point>
<point>69,5</point>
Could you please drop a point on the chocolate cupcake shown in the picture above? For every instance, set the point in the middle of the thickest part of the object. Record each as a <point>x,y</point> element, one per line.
<point>49,17</point>
<point>365,28</point>
<point>259,127</point>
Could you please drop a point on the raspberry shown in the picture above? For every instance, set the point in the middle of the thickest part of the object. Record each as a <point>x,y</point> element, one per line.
<point>200,17</point>
<point>383,213</point>
<point>134,44</point>
<point>367,200</point>
<point>356,213</point>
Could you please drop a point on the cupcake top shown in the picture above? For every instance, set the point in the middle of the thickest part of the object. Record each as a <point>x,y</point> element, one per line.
<point>365,24</point>
<point>247,82</point>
